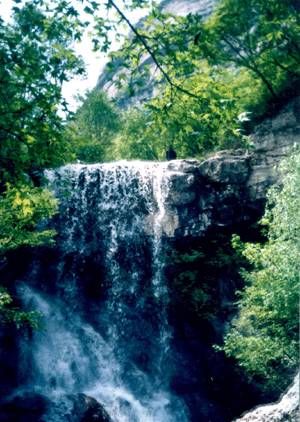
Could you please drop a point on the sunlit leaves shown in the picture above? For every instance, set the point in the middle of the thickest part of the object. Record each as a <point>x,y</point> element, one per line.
<point>22,320</point>
<point>264,336</point>
<point>196,125</point>
<point>22,208</point>
<point>137,140</point>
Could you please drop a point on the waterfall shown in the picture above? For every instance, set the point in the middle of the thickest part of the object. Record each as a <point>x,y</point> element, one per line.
<point>103,295</point>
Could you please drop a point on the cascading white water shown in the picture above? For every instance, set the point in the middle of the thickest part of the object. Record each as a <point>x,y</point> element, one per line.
<point>118,351</point>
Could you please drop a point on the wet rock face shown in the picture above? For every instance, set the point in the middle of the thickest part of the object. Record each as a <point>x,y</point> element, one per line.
<point>230,187</point>
<point>87,409</point>
<point>209,193</point>
<point>32,407</point>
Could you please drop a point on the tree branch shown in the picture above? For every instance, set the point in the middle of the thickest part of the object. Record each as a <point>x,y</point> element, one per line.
<point>148,49</point>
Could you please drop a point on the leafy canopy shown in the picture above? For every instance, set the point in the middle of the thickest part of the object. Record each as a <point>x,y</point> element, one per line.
<point>243,60</point>
<point>36,58</point>
<point>96,123</point>
<point>21,210</point>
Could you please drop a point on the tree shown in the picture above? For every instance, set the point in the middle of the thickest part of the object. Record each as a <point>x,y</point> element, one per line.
<point>96,123</point>
<point>264,336</point>
<point>205,122</point>
<point>136,140</point>
<point>36,58</point>
<point>259,37</point>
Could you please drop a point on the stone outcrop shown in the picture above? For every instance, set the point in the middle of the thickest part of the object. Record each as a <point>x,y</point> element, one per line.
<point>231,186</point>
<point>286,410</point>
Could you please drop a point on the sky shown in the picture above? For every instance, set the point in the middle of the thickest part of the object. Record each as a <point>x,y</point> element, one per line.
<point>94,61</point>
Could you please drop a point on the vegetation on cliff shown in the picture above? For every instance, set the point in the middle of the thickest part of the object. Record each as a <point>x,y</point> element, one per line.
<point>264,337</point>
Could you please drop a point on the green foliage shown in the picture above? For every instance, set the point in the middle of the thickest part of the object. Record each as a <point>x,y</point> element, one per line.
<point>194,125</point>
<point>258,37</point>
<point>21,320</point>
<point>201,123</point>
<point>96,123</point>
<point>264,336</point>
<point>242,60</point>
<point>137,141</point>
<point>196,276</point>
<point>36,58</point>
<point>22,208</point>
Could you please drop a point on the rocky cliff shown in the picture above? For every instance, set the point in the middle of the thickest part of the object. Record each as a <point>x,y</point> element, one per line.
<point>231,186</point>
<point>176,7</point>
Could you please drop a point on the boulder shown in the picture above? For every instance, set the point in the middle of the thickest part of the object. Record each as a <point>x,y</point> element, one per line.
<point>226,167</point>
<point>285,410</point>
<point>87,409</point>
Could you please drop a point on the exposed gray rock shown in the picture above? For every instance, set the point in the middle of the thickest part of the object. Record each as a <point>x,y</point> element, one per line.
<point>285,410</point>
<point>184,7</point>
<point>273,139</point>
<point>230,187</point>
<point>226,167</point>
<point>180,192</point>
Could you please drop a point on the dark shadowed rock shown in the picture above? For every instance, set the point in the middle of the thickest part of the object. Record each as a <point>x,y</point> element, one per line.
<point>87,409</point>
<point>26,407</point>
